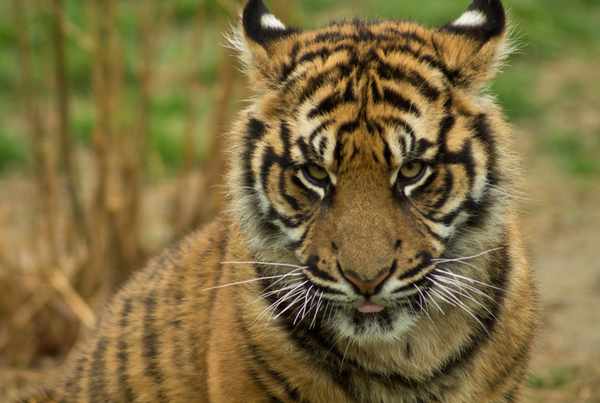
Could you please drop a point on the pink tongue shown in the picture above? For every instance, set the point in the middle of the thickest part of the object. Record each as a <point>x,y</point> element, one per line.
<point>370,307</point>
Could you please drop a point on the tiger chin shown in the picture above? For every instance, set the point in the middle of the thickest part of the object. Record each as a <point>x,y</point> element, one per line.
<point>369,250</point>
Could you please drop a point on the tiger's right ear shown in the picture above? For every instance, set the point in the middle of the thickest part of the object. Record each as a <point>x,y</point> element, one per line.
<point>474,46</point>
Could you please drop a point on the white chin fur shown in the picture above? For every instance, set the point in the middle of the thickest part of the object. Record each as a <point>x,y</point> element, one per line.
<point>372,333</point>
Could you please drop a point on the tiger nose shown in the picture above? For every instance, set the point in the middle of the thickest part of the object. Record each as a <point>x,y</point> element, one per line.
<point>367,287</point>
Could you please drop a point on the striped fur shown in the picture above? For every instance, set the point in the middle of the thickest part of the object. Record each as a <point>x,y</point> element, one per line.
<point>369,251</point>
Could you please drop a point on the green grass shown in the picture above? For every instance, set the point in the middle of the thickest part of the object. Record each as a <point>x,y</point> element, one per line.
<point>576,153</point>
<point>556,378</point>
<point>549,30</point>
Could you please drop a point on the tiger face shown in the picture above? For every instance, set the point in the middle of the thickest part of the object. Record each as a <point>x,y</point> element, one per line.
<point>368,156</point>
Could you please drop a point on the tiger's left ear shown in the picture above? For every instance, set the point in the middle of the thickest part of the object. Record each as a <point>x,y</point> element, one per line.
<point>261,43</point>
<point>262,27</point>
<point>474,46</point>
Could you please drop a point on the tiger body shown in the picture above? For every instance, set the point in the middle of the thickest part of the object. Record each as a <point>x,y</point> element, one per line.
<point>369,251</point>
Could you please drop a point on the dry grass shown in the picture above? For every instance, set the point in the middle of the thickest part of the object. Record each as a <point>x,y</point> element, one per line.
<point>75,226</point>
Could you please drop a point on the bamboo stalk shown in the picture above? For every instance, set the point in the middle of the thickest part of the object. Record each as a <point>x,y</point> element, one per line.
<point>209,198</point>
<point>42,170</point>
<point>63,286</point>
<point>66,159</point>
<point>181,209</point>
<point>99,250</point>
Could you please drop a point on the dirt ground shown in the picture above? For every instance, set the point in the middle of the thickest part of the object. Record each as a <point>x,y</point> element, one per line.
<point>562,225</point>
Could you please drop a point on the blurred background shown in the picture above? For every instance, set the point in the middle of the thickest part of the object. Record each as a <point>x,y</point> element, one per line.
<point>111,122</point>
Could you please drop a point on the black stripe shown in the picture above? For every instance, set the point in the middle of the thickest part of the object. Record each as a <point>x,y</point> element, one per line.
<point>73,384</point>
<point>312,193</point>
<point>309,56</point>
<point>419,190</point>
<point>400,102</point>
<point>255,131</point>
<point>407,35</point>
<point>310,86</point>
<point>307,149</point>
<point>425,261</point>
<point>347,127</point>
<point>431,232</point>
<point>123,354</point>
<point>422,146</point>
<point>269,158</point>
<point>453,76</point>
<point>283,186</point>
<point>483,132</point>
<point>396,73</point>
<point>445,190</point>
<point>322,147</point>
<point>151,345</point>
<point>445,126</point>
<point>97,376</point>
<point>259,362</point>
<point>312,266</point>
<point>511,397</point>
<point>288,68</point>
<point>326,106</point>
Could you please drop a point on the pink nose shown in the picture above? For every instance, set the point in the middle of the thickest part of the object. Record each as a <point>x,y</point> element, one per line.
<point>367,287</point>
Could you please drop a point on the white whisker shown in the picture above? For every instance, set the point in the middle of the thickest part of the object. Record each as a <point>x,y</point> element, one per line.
<point>460,259</point>
<point>302,294</point>
<point>312,323</point>
<point>293,290</point>
<point>279,276</point>
<point>266,263</point>
<point>470,280</point>
<point>447,296</point>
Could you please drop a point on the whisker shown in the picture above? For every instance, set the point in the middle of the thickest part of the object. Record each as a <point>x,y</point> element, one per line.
<point>506,193</point>
<point>463,290</point>
<point>273,292</point>
<point>469,279</point>
<point>454,301</point>
<point>462,286</point>
<point>267,263</point>
<point>425,300</point>
<point>312,323</point>
<point>294,289</point>
<point>459,259</point>
<point>302,310</point>
<point>302,294</point>
<point>279,276</point>
<point>344,356</point>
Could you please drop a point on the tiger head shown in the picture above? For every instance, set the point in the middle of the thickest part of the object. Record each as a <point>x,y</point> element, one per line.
<point>370,152</point>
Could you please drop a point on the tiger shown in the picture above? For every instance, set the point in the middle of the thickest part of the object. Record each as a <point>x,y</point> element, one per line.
<point>369,247</point>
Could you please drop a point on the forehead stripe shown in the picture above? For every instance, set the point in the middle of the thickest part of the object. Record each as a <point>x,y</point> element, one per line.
<point>398,101</point>
<point>395,73</point>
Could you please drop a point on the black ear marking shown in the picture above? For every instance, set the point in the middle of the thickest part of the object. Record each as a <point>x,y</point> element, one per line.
<point>483,20</point>
<point>260,25</point>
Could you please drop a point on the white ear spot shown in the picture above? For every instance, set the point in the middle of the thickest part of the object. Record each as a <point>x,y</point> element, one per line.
<point>269,21</point>
<point>471,19</point>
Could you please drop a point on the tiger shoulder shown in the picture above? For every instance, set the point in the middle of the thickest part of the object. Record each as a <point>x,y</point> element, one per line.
<point>369,250</point>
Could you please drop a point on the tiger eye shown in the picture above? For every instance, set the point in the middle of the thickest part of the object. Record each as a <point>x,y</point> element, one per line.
<point>316,173</point>
<point>411,170</point>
